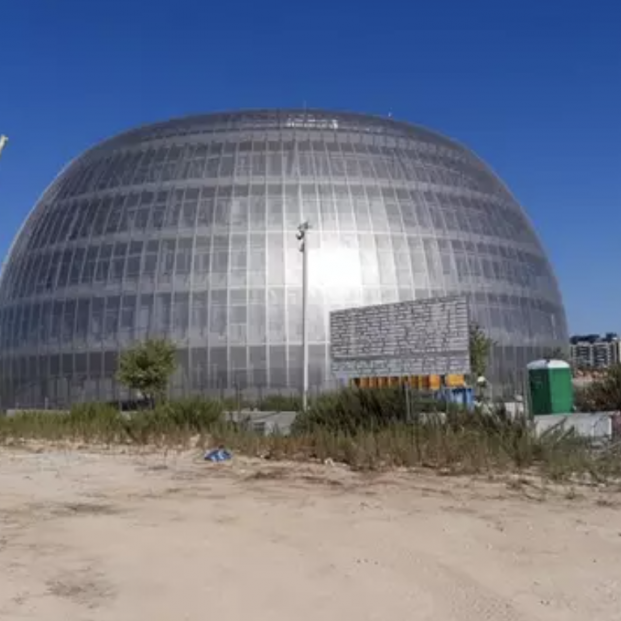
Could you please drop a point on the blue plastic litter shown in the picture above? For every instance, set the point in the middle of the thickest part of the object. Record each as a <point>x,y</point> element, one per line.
<point>218,454</point>
<point>460,396</point>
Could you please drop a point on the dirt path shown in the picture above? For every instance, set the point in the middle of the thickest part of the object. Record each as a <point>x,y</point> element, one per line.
<point>88,536</point>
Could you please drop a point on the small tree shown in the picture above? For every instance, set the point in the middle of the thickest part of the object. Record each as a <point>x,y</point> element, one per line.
<point>480,347</point>
<point>147,367</point>
<point>602,395</point>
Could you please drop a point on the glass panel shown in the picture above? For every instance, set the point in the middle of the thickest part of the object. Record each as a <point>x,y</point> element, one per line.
<point>207,251</point>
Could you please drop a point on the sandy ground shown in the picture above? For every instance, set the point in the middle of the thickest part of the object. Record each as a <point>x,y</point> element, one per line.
<point>103,536</point>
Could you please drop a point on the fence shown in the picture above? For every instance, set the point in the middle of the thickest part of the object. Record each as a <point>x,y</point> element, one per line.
<point>54,395</point>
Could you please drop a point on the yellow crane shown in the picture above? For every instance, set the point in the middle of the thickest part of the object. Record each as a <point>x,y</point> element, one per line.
<point>3,141</point>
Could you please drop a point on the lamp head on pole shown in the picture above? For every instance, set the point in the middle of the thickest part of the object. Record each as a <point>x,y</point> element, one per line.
<point>301,234</point>
<point>3,141</point>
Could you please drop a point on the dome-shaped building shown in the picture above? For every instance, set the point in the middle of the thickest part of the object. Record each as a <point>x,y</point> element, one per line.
<point>187,229</point>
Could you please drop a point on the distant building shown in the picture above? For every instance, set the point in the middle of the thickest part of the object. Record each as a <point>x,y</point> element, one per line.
<point>593,351</point>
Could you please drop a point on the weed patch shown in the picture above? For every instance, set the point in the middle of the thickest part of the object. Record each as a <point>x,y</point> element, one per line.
<point>368,430</point>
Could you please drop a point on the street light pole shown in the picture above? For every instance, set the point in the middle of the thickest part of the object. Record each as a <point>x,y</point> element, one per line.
<point>302,236</point>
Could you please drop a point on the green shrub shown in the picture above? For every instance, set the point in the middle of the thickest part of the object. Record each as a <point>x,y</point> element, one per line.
<point>280,403</point>
<point>351,410</point>
<point>602,395</point>
<point>173,421</point>
<point>194,414</point>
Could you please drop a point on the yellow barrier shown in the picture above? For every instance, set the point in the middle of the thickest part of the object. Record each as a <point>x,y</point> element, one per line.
<point>417,382</point>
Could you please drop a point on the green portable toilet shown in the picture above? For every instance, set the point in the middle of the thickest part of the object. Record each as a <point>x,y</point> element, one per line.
<point>551,388</point>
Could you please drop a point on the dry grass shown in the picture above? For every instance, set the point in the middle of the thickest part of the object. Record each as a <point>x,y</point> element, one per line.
<point>366,431</point>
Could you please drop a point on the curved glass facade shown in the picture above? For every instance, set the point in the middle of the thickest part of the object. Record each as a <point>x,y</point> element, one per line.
<point>187,229</point>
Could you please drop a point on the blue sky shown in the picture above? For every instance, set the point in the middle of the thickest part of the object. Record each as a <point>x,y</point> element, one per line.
<point>532,87</point>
